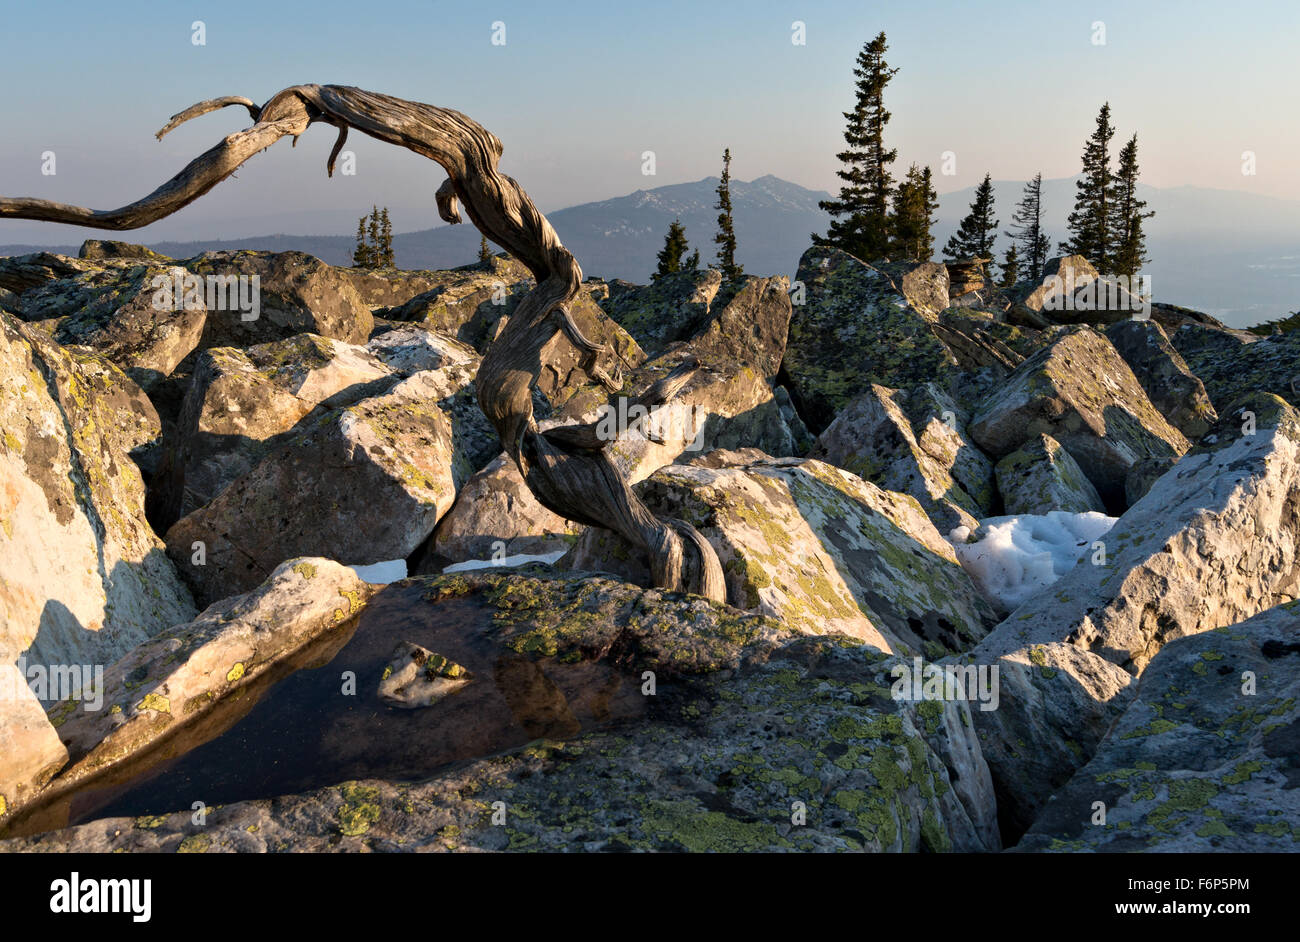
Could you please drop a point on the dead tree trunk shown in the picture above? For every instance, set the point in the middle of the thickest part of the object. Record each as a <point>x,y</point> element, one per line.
<point>566,468</point>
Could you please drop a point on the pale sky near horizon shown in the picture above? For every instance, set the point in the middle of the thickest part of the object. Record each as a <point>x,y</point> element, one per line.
<point>580,90</point>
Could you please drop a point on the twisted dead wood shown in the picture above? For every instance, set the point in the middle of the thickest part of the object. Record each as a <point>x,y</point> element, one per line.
<point>566,468</point>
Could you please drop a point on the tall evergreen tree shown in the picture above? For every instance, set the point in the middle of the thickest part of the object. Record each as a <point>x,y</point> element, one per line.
<point>361,254</point>
<point>1130,241</point>
<point>726,237</point>
<point>860,215</point>
<point>484,253</point>
<point>974,237</point>
<point>1032,243</point>
<point>912,219</point>
<point>1090,223</point>
<point>1010,267</point>
<point>372,229</point>
<point>386,259</point>
<point>670,257</point>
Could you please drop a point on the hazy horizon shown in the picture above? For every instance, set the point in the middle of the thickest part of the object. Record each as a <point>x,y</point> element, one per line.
<point>579,94</point>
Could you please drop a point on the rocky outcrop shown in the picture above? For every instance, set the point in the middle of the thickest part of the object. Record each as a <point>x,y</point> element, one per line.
<point>1215,541</point>
<point>82,577</point>
<point>1040,476</point>
<point>363,484</point>
<point>857,326</point>
<point>1042,302</point>
<point>98,249</point>
<point>1161,370</point>
<point>1081,392</point>
<point>818,548</point>
<point>1205,757</point>
<point>752,740</point>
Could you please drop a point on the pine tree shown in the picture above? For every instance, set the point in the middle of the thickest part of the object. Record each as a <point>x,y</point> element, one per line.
<point>912,219</point>
<point>726,237</point>
<point>484,253</point>
<point>372,228</point>
<point>1090,223</point>
<point>361,254</point>
<point>860,217</point>
<point>1010,267</point>
<point>692,262</point>
<point>1130,241</point>
<point>386,259</point>
<point>1032,243</point>
<point>974,237</point>
<point>670,258</point>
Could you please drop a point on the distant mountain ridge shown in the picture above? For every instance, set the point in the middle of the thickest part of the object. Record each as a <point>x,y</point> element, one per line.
<point>1231,253</point>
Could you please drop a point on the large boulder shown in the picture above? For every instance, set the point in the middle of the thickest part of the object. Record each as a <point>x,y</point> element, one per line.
<point>362,484</point>
<point>1043,301</point>
<point>816,547</point>
<point>1172,387</point>
<point>1215,541</point>
<point>147,336</point>
<point>99,249</point>
<point>1205,758</point>
<point>856,326</point>
<point>295,293</point>
<point>669,309</point>
<point>1081,392</point>
<point>241,403</point>
<point>1040,476</point>
<point>933,461</point>
<point>82,576</point>
<point>746,738</point>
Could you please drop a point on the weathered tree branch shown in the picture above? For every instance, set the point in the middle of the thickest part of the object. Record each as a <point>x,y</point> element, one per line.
<point>566,467</point>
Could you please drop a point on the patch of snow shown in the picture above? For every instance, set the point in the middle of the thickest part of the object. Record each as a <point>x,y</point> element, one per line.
<point>1014,558</point>
<point>506,561</point>
<point>390,570</point>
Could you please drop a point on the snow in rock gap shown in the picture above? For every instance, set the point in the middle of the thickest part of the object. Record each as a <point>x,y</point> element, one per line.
<point>390,570</point>
<point>1014,558</point>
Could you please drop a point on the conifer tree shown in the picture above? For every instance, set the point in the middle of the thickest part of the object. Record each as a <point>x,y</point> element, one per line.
<point>726,237</point>
<point>1010,267</point>
<point>1090,223</point>
<point>386,259</point>
<point>912,219</point>
<point>860,214</point>
<point>1130,241</point>
<point>361,254</point>
<point>372,229</point>
<point>974,237</point>
<point>1032,243</point>
<point>670,257</point>
<point>484,253</point>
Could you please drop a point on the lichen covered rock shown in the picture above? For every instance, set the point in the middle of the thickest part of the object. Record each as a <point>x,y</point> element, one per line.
<point>82,576</point>
<point>818,548</point>
<point>1040,476</point>
<point>1204,759</point>
<point>1171,386</point>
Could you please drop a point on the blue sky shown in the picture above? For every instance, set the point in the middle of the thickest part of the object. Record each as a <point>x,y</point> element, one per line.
<point>581,89</point>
